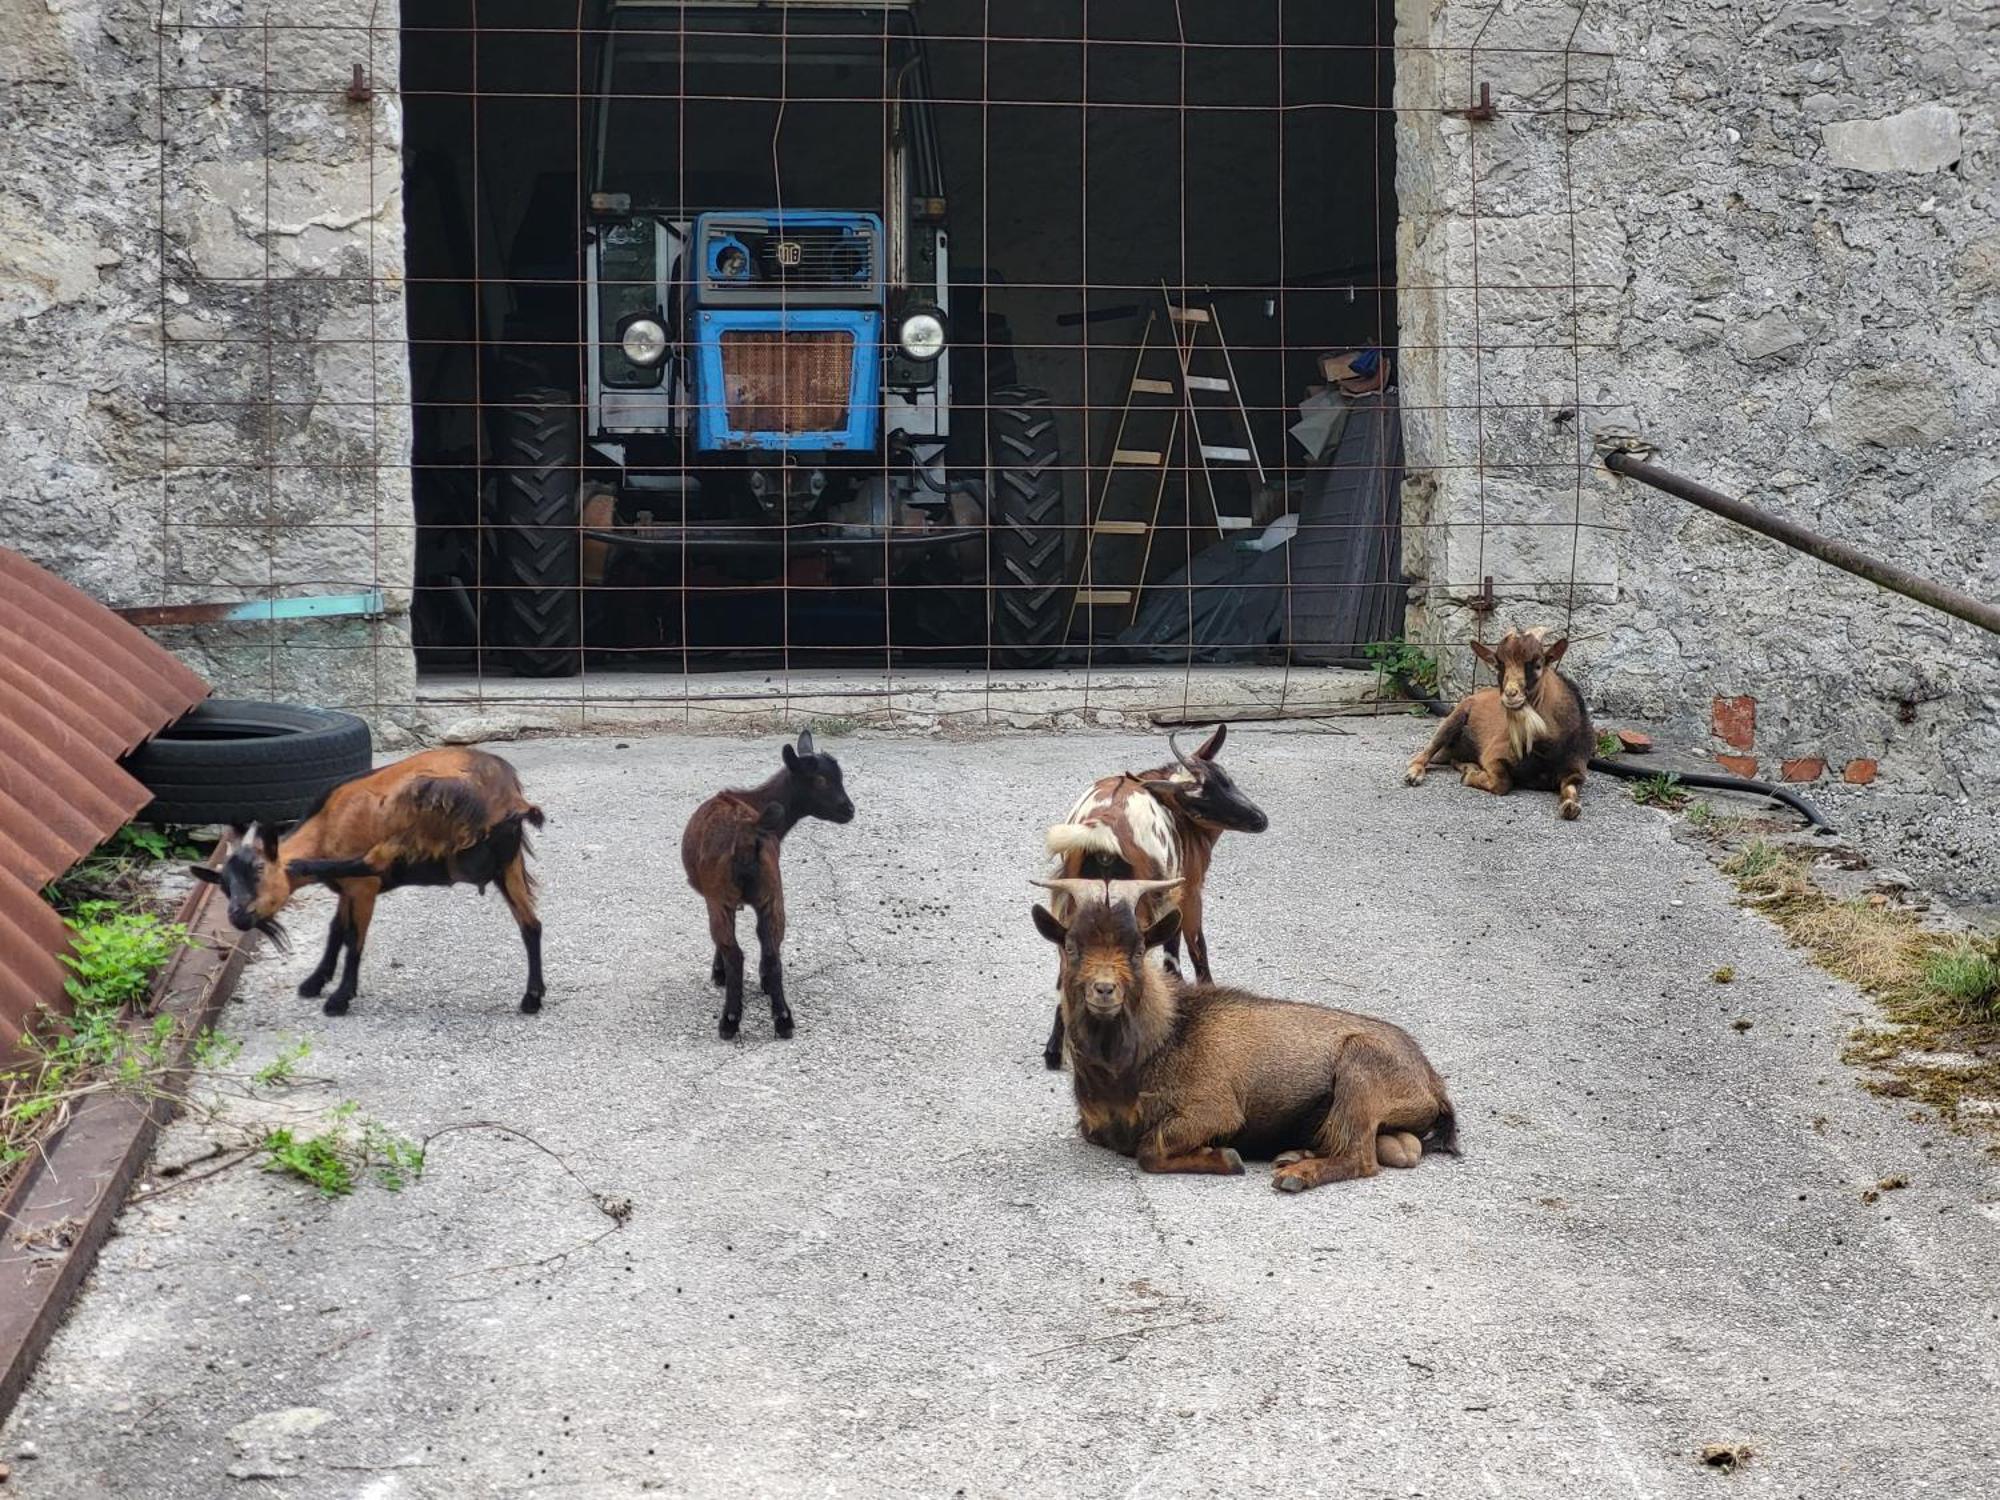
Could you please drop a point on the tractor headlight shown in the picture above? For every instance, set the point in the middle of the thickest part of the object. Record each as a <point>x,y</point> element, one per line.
<point>922,336</point>
<point>644,342</point>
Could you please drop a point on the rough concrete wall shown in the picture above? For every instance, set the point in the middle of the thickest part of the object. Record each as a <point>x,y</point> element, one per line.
<point>217,411</point>
<point>1784,226</point>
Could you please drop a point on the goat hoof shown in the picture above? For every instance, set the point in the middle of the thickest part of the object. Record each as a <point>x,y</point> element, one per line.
<point>1292,1180</point>
<point>1286,1158</point>
<point>1398,1148</point>
<point>311,985</point>
<point>727,1030</point>
<point>1413,778</point>
<point>1232,1161</point>
<point>1570,812</point>
<point>1052,1059</point>
<point>336,1006</point>
<point>782,1025</point>
<point>530,1003</point>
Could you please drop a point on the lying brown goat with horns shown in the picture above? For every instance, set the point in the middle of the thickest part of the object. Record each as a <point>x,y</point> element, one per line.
<point>1532,730</point>
<point>1191,1077</point>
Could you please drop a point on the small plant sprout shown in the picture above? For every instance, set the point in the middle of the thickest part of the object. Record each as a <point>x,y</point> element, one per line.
<point>284,1067</point>
<point>1724,975</point>
<point>1966,974</point>
<point>1608,744</point>
<point>1663,791</point>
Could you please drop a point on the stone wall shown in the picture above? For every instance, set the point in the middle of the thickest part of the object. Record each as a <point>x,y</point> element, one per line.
<point>1782,216</point>
<point>204,368</point>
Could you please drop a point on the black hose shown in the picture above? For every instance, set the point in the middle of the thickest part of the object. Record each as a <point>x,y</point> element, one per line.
<point>1707,780</point>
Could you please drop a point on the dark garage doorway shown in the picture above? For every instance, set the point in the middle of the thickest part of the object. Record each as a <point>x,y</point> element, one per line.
<point>1231,159</point>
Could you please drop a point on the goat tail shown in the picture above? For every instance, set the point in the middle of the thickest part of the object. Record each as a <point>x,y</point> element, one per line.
<point>534,816</point>
<point>1082,838</point>
<point>1443,1134</point>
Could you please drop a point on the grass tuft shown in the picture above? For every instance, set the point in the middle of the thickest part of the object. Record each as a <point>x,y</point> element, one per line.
<point>1662,791</point>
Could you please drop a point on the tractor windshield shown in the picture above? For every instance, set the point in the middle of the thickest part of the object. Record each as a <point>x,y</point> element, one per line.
<point>714,107</point>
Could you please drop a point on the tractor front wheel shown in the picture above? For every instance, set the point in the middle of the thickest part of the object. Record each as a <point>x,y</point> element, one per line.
<point>1027,567</point>
<point>532,614</point>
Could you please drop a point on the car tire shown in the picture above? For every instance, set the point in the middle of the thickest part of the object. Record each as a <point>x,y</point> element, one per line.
<point>232,760</point>
<point>1026,561</point>
<point>531,617</point>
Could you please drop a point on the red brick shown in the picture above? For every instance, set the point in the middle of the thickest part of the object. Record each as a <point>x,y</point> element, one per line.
<point>1634,741</point>
<point>1735,721</point>
<point>1860,772</point>
<point>1738,765</point>
<point>1805,768</point>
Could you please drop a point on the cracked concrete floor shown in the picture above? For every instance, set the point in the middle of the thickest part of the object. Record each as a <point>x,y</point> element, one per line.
<point>877,1261</point>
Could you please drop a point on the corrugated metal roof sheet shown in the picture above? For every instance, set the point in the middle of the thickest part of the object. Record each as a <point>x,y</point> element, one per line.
<point>78,688</point>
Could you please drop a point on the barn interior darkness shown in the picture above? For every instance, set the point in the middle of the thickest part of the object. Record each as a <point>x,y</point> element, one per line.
<point>1238,151</point>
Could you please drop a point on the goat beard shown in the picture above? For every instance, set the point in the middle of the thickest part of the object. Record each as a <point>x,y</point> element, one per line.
<point>273,929</point>
<point>1106,1045</point>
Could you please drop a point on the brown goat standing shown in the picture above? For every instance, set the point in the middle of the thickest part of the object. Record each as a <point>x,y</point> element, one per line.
<point>440,817</point>
<point>1189,1077</point>
<point>1532,730</point>
<point>1160,826</point>
<point>730,853</point>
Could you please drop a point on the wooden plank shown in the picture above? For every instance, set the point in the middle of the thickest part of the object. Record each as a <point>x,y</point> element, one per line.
<point>1146,386</point>
<point>1186,314</point>
<point>1208,383</point>
<point>1137,458</point>
<point>1121,528</point>
<point>1225,455</point>
<point>1233,523</point>
<point>1103,596</point>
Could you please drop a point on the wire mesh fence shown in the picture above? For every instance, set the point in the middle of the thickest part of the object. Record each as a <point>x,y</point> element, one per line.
<point>644,354</point>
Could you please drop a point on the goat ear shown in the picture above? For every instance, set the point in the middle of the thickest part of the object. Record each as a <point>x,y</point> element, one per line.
<point>1484,652</point>
<point>1165,929</point>
<point>1213,746</point>
<point>791,759</point>
<point>267,840</point>
<point>1165,791</point>
<point>1554,653</point>
<point>1047,925</point>
<point>204,873</point>
<point>805,742</point>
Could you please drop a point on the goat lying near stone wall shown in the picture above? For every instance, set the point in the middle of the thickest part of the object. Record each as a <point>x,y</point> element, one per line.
<point>730,852</point>
<point>1190,1077</point>
<point>1532,730</point>
<point>441,817</point>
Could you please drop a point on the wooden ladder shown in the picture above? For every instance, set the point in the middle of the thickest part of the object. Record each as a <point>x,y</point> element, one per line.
<point>1171,390</point>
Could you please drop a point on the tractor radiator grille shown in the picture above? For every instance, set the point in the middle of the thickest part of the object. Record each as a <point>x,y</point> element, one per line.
<point>786,382</point>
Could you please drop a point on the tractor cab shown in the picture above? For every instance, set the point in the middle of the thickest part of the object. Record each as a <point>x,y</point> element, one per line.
<point>776,367</point>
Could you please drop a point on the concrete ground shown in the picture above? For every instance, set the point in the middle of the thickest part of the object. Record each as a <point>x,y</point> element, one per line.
<point>876,1260</point>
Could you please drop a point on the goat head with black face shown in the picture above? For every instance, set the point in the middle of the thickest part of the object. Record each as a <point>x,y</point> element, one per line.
<point>254,881</point>
<point>1531,730</point>
<point>1158,825</point>
<point>730,852</point>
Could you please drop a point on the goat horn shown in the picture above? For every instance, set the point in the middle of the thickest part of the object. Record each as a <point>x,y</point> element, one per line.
<point>1174,745</point>
<point>1083,891</point>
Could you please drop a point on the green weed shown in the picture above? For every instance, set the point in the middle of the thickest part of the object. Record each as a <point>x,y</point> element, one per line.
<point>1608,744</point>
<point>834,727</point>
<point>335,1159</point>
<point>284,1067</point>
<point>1407,662</point>
<point>1966,974</point>
<point>1663,791</point>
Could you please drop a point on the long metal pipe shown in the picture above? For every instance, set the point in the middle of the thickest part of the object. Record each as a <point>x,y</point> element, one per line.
<point>1826,549</point>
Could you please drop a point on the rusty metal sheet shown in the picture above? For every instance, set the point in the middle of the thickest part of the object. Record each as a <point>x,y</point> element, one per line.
<point>79,687</point>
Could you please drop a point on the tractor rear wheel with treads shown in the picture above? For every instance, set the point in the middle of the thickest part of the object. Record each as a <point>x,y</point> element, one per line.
<point>1027,562</point>
<point>531,608</point>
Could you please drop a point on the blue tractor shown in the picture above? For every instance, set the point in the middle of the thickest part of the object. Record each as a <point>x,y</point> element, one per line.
<point>777,378</point>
